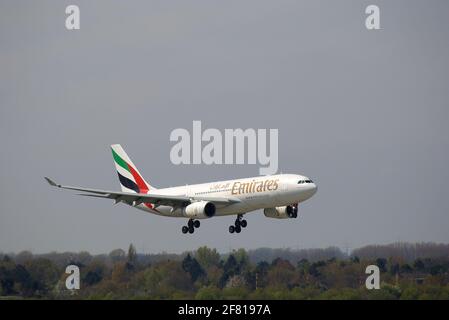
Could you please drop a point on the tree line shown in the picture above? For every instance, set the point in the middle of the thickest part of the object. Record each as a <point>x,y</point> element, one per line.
<point>407,271</point>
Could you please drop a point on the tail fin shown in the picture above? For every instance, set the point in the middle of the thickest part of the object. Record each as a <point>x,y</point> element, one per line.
<point>130,178</point>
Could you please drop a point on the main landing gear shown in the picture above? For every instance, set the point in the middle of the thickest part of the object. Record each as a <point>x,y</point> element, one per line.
<point>238,225</point>
<point>191,225</point>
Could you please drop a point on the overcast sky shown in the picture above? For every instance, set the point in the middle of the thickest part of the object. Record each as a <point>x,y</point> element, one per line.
<point>363,113</point>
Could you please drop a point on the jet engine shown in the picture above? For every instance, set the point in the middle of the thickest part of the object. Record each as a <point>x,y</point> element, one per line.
<point>200,210</point>
<point>284,212</point>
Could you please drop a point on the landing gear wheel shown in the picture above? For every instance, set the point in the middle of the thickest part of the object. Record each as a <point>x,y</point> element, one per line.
<point>238,224</point>
<point>295,211</point>
<point>196,223</point>
<point>190,223</point>
<point>185,229</point>
<point>191,229</point>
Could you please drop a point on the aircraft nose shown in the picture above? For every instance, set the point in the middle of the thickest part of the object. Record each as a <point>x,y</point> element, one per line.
<point>314,188</point>
<point>311,190</point>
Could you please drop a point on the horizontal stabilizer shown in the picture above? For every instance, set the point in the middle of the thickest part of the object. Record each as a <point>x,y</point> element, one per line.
<point>51,182</point>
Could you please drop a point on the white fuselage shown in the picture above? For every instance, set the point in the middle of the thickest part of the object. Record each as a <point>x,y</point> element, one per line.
<point>251,193</point>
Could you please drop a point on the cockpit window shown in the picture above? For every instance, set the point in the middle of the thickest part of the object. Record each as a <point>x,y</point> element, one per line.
<point>304,181</point>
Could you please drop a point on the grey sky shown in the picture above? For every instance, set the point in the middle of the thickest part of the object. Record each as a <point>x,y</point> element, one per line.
<point>363,113</point>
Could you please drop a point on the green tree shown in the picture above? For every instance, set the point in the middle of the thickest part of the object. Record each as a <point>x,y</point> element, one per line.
<point>242,258</point>
<point>214,274</point>
<point>281,274</point>
<point>163,279</point>
<point>235,293</point>
<point>410,293</point>
<point>386,292</point>
<point>314,269</point>
<point>191,266</point>
<point>303,266</point>
<point>394,269</point>
<point>117,255</point>
<point>406,268</point>
<point>120,272</point>
<point>260,274</point>
<point>262,267</point>
<point>23,282</point>
<point>83,257</point>
<point>437,269</point>
<point>44,274</point>
<point>419,265</point>
<point>231,266</point>
<point>208,293</point>
<point>23,257</point>
<point>207,257</point>
<point>382,264</point>
<point>340,294</point>
<point>132,255</point>
<point>93,273</point>
<point>7,275</point>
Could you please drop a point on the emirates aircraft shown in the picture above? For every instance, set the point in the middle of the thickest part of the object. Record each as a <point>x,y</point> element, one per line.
<point>278,195</point>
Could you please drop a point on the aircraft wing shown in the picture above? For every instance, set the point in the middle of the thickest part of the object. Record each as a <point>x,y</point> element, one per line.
<point>138,198</point>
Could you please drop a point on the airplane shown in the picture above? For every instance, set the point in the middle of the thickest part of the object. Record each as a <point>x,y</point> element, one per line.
<point>278,195</point>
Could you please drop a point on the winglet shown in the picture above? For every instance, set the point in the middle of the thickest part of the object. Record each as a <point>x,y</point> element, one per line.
<point>51,182</point>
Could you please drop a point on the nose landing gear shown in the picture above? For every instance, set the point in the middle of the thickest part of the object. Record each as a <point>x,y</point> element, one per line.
<point>191,225</point>
<point>238,225</point>
<point>294,212</point>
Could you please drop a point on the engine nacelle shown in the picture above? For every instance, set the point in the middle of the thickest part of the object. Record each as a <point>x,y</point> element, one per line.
<point>284,212</point>
<point>200,210</point>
